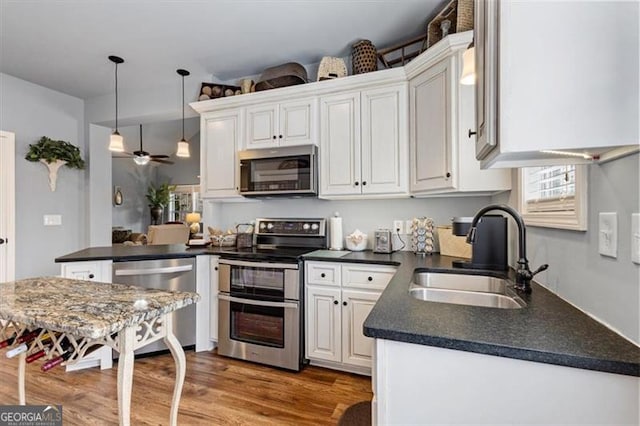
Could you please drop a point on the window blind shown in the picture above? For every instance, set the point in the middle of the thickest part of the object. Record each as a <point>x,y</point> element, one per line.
<point>550,189</point>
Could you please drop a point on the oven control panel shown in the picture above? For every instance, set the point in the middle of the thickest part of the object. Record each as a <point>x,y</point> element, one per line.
<point>291,227</point>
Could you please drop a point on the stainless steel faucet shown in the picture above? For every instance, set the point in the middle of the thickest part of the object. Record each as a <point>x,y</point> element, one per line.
<point>523,273</point>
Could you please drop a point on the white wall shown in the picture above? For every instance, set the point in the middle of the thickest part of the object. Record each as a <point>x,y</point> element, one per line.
<point>606,288</point>
<point>32,111</point>
<point>366,215</point>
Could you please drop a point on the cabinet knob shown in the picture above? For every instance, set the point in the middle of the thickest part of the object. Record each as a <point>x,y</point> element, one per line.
<point>369,278</point>
<point>471,133</point>
<point>1,240</point>
<point>335,302</point>
<point>357,183</point>
<point>91,276</point>
<point>344,303</point>
<point>322,275</point>
<point>364,182</point>
<point>280,136</point>
<point>448,175</point>
<point>274,137</point>
<point>215,268</point>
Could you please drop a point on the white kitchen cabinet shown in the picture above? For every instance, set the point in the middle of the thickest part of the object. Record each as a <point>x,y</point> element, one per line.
<point>219,143</point>
<point>338,299</point>
<point>567,89</point>
<point>282,124</point>
<point>441,111</point>
<point>363,143</point>
<point>99,271</point>
<point>213,299</point>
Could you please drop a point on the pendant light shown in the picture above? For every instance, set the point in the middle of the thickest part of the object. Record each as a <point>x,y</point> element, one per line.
<point>115,141</point>
<point>468,77</point>
<point>141,157</point>
<point>183,145</point>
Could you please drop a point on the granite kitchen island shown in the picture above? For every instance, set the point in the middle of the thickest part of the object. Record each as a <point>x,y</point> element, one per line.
<point>85,314</point>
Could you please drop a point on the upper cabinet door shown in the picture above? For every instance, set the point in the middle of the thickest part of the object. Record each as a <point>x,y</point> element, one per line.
<point>432,127</point>
<point>262,126</point>
<point>340,144</point>
<point>298,122</point>
<point>384,140</point>
<point>218,153</point>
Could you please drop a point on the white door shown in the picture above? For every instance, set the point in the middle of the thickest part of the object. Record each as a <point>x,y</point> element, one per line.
<point>357,349</point>
<point>298,122</point>
<point>385,144</point>
<point>261,126</point>
<point>323,323</point>
<point>7,207</point>
<point>432,127</point>
<point>219,166</point>
<point>340,144</point>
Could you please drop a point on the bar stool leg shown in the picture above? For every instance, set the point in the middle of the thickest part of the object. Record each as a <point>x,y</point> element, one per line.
<point>22,363</point>
<point>126,340</point>
<point>181,365</point>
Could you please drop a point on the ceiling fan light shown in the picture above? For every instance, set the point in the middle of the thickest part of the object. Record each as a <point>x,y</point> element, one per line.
<point>183,149</point>
<point>142,160</point>
<point>116,143</point>
<point>468,77</point>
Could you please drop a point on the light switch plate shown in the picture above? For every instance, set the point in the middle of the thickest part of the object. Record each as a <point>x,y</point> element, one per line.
<point>608,234</point>
<point>635,238</point>
<point>52,220</point>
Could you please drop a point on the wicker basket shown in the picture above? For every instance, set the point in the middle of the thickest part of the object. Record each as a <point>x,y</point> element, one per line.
<point>331,68</point>
<point>458,12</point>
<point>452,245</point>
<point>364,57</point>
<point>244,239</point>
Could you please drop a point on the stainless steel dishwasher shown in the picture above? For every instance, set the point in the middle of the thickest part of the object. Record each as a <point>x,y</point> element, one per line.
<point>164,274</point>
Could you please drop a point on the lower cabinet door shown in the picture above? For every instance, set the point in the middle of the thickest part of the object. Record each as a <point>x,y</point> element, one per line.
<point>357,349</point>
<point>323,323</point>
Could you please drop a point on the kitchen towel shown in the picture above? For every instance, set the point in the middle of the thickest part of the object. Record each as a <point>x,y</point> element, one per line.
<point>335,225</point>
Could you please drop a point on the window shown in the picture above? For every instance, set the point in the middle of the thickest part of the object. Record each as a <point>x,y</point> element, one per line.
<point>554,196</point>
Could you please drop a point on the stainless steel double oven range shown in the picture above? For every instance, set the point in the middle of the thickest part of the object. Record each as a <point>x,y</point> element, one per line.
<point>261,299</point>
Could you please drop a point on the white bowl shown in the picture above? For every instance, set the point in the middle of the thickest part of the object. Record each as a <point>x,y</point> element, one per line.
<point>356,246</point>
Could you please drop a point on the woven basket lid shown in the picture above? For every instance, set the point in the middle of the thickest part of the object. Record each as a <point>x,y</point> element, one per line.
<point>283,75</point>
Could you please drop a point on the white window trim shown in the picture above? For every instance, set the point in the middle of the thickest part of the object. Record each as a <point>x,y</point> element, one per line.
<point>575,220</point>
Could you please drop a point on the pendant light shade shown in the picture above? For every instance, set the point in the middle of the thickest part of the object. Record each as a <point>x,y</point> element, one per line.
<point>468,77</point>
<point>116,143</point>
<point>183,145</point>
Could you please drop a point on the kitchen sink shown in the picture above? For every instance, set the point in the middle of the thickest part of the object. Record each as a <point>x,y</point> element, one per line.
<point>462,289</point>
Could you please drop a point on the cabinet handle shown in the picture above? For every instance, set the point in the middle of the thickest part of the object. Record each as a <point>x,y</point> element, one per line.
<point>369,278</point>
<point>91,276</point>
<point>357,183</point>
<point>335,302</point>
<point>322,275</point>
<point>448,175</point>
<point>344,303</point>
<point>364,182</point>
<point>471,133</point>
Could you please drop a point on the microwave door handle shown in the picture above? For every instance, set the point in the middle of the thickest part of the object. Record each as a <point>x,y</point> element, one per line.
<point>258,302</point>
<point>150,271</point>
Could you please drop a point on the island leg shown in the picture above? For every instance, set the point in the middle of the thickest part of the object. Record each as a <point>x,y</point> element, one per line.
<point>178,355</point>
<point>22,364</point>
<point>126,339</point>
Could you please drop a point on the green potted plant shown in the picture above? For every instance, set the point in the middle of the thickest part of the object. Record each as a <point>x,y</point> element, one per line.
<point>55,154</point>
<point>158,198</point>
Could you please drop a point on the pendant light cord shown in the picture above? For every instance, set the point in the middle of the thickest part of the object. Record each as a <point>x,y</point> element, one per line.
<point>183,107</point>
<point>116,96</point>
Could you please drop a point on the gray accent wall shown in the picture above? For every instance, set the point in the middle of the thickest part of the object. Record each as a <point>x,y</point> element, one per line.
<point>606,288</point>
<point>31,111</point>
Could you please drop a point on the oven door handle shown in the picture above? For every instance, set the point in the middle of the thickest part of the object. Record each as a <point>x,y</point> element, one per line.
<point>259,264</point>
<point>290,305</point>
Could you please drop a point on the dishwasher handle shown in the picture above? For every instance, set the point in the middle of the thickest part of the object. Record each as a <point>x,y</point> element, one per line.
<point>152,271</point>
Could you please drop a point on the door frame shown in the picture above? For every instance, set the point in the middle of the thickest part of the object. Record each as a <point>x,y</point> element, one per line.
<point>8,200</point>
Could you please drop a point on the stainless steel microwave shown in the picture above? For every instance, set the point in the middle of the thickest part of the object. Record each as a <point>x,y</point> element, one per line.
<point>288,171</point>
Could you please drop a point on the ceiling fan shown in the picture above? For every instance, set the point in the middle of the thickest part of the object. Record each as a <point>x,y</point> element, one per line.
<point>142,157</point>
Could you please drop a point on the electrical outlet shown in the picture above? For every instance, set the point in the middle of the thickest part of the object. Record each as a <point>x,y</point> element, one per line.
<point>52,220</point>
<point>408,225</point>
<point>398,226</point>
<point>608,234</point>
<point>635,238</point>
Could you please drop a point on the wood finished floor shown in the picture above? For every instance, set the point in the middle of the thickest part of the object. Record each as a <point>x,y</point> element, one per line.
<point>217,391</point>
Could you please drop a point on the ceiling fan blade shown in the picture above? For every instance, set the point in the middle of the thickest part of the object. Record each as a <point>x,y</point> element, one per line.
<point>122,155</point>
<point>157,160</point>
<point>159,156</point>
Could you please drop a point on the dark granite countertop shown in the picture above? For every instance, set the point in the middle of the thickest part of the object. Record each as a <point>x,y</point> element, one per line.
<point>124,253</point>
<point>547,330</point>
